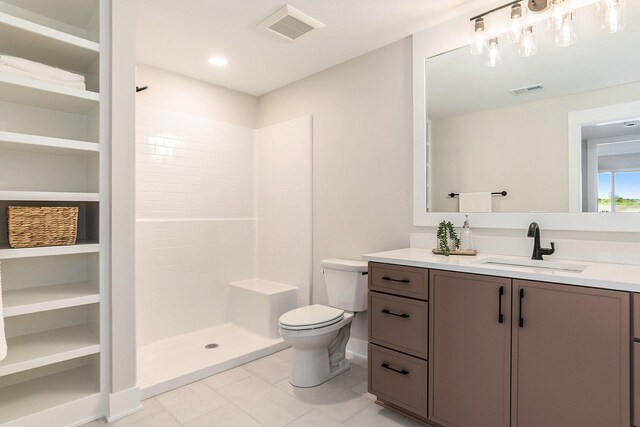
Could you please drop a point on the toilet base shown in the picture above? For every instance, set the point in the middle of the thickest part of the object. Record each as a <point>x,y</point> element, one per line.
<point>312,377</point>
<point>314,366</point>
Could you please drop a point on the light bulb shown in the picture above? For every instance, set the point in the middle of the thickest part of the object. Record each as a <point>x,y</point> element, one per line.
<point>528,46</point>
<point>558,11</point>
<point>566,33</point>
<point>515,23</point>
<point>492,56</point>
<point>612,15</point>
<point>478,37</point>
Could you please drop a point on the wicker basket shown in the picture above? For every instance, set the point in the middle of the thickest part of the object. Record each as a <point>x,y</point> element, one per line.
<point>31,227</point>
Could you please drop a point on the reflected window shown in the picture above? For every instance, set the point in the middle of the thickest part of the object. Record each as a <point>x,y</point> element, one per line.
<point>619,191</point>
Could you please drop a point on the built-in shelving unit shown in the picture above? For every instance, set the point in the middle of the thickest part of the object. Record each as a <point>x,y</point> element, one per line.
<point>51,138</point>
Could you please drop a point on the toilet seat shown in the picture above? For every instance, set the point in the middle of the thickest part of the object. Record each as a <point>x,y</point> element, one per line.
<point>311,317</point>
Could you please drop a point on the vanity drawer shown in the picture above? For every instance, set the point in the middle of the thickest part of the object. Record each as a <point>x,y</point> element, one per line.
<point>396,279</point>
<point>636,316</point>
<point>398,379</point>
<point>400,323</point>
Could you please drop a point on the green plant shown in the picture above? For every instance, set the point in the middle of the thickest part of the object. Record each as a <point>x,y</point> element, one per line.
<point>446,233</point>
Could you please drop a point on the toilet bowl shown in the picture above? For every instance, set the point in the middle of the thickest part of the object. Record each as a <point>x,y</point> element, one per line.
<point>319,333</point>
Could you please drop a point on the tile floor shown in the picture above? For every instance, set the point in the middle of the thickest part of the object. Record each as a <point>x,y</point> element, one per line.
<point>259,394</point>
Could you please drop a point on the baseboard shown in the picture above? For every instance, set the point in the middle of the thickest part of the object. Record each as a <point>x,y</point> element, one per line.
<point>358,349</point>
<point>123,403</point>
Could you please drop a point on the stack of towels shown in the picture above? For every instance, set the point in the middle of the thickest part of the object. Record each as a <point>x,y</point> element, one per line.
<point>3,340</point>
<point>35,70</point>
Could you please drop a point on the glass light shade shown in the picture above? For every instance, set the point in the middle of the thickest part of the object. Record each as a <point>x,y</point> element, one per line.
<point>528,45</point>
<point>557,12</point>
<point>566,34</point>
<point>478,37</point>
<point>611,15</point>
<point>516,23</point>
<point>492,55</point>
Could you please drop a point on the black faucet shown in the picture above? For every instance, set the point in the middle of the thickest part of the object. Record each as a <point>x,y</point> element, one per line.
<point>534,231</point>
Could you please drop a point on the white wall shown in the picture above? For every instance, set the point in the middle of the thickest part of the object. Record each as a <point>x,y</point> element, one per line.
<point>174,92</point>
<point>362,151</point>
<point>283,192</point>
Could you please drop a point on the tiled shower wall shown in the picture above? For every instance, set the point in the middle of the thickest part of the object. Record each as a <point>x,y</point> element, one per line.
<point>199,186</point>
<point>195,225</point>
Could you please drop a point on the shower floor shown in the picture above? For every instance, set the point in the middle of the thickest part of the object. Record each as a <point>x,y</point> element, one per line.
<point>180,360</point>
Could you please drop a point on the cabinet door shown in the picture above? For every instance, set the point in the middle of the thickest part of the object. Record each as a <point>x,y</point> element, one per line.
<point>469,350</point>
<point>571,350</point>
<point>636,384</point>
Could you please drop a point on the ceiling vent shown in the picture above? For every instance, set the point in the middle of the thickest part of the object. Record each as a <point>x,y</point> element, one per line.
<point>290,23</point>
<point>527,89</point>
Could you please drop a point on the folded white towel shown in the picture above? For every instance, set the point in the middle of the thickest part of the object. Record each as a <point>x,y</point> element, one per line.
<point>40,69</point>
<point>10,70</point>
<point>3,340</point>
<point>475,202</point>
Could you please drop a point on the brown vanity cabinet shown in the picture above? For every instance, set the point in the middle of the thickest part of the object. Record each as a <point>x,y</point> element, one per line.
<point>469,350</point>
<point>503,352</point>
<point>571,350</point>
<point>398,337</point>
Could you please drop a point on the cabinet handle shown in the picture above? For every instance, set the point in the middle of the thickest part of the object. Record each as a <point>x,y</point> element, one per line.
<point>403,315</point>
<point>520,308</point>
<point>500,294</point>
<point>400,371</point>
<point>389,279</point>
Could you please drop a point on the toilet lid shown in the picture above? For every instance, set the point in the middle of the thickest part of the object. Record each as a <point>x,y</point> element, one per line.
<point>311,317</point>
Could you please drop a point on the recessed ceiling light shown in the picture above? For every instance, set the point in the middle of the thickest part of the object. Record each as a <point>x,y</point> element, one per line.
<point>219,61</point>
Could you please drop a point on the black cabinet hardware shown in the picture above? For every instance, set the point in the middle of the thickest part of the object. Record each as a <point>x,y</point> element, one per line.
<point>403,315</point>
<point>400,371</point>
<point>520,308</point>
<point>389,279</point>
<point>500,315</point>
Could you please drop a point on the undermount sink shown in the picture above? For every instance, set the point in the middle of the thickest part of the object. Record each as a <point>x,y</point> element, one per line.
<point>551,265</point>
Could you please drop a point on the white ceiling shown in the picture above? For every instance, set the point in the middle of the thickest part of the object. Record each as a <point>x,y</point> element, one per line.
<point>180,35</point>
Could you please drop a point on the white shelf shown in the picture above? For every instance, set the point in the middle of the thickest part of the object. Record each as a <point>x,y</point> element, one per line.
<point>42,144</point>
<point>45,393</point>
<point>46,45</point>
<point>48,196</point>
<point>43,298</point>
<point>79,248</point>
<point>45,348</point>
<point>77,13</point>
<point>37,93</point>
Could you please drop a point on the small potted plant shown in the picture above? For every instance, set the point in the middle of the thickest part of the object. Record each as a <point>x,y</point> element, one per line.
<point>448,239</point>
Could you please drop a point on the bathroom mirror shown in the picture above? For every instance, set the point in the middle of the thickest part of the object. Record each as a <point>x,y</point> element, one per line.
<point>508,128</point>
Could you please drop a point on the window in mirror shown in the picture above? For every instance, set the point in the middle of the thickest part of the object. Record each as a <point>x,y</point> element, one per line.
<point>619,191</point>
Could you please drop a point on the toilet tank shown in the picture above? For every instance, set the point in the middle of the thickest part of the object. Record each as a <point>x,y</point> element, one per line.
<point>346,282</point>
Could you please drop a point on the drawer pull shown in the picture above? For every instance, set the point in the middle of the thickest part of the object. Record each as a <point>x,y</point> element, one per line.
<point>520,308</point>
<point>400,371</point>
<point>389,279</point>
<point>500,293</point>
<point>403,315</point>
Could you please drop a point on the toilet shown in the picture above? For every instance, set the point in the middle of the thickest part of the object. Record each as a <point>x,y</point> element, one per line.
<point>319,333</point>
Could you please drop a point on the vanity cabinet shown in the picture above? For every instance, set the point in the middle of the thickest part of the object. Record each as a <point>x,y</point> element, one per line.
<point>398,337</point>
<point>469,350</point>
<point>506,352</point>
<point>571,350</point>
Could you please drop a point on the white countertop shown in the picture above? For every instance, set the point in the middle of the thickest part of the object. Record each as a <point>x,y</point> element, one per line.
<point>596,275</point>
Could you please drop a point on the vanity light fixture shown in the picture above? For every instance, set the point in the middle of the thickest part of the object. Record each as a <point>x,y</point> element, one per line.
<point>516,23</point>
<point>566,33</point>
<point>611,15</point>
<point>219,61</point>
<point>478,34</point>
<point>528,45</point>
<point>558,11</point>
<point>492,56</point>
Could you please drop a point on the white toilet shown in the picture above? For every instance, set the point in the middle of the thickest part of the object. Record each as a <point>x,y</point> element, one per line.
<point>319,334</point>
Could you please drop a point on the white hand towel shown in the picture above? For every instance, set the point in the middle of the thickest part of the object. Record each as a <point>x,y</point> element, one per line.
<point>40,69</point>
<point>475,202</point>
<point>10,70</point>
<point>3,340</point>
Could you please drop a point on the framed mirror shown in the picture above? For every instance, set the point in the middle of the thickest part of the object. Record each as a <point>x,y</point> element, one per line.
<point>550,135</point>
